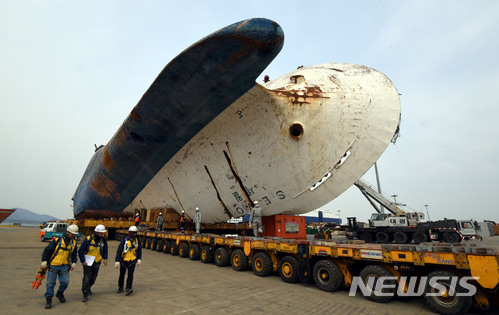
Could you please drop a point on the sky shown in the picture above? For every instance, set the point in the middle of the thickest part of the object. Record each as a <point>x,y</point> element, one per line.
<point>71,72</point>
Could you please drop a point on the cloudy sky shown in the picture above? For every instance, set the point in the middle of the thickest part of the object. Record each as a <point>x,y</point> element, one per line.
<point>71,73</point>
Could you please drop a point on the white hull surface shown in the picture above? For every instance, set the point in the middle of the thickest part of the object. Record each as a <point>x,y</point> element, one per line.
<point>324,124</point>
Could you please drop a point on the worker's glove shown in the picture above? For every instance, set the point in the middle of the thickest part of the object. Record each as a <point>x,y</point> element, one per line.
<point>44,264</point>
<point>73,265</point>
<point>117,264</point>
<point>139,262</point>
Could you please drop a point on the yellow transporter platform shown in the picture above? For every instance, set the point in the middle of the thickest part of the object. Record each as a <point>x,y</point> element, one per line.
<point>451,278</point>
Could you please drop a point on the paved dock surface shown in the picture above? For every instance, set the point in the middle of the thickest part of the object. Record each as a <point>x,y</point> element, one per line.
<point>166,284</point>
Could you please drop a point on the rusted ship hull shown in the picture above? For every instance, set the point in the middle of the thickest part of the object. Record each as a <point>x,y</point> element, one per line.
<point>212,138</point>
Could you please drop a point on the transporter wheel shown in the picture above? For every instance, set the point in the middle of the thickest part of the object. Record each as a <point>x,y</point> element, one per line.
<point>327,275</point>
<point>144,242</point>
<point>262,264</point>
<point>42,239</point>
<point>194,252</point>
<point>366,237</point>
<point>288,269</point>
<point>238,260</point>
<point>148,243</point>
<point>401,238</point>
<point>160,246</point>
<point>451,237</point>
<point>167,247</point>
<point>174,249</point>
<point>438,292</point>
<point>390,286</point>
<point>221,257</point>
<point>382,237</point>
<point>419,237</point>
<point>154,245</point>
<point>183,250</point>
<point>206,256</point>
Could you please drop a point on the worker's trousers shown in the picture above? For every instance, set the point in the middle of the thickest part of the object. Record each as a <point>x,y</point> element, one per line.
<point>89,275</point>
<point>62,272</point>
<point>124,267</point>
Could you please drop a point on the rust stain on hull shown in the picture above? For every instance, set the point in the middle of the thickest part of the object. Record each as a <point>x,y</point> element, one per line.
<point>301,97</point>
<point>226,210</point>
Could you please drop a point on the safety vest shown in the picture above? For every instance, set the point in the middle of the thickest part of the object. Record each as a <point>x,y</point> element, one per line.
<point>62,252</point>
<point>129,250</point>
<point>182,219</point>
<point>94,248</point>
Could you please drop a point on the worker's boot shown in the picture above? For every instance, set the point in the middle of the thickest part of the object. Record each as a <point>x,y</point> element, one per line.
<point>85,297</point>
<point>120,290</point>
<point>61,297</point>
<point>129,291</point>
<point>48,303</point>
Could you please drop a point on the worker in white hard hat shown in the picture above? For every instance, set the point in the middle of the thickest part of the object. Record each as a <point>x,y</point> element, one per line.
<point>60,257</point>
<point>92,252</point>
<point>183,217</point>
<point>137,219</point>
<point>255,219</point>
<point>128,255</point>
<point>197,220</point>
<point>160,222</point>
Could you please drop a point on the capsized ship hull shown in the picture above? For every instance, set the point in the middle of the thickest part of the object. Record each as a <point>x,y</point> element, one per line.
<point>294,144</point>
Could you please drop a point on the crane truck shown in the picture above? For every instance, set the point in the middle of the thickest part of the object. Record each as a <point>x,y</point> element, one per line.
<point>402,226</point>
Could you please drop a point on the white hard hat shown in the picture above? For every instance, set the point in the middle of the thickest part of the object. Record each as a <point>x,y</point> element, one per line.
<point>197,209</point>
<point>256,202</point>
<point>133,228</point>
<point>100,228</point>
<point>183,211</point>
<point>72,229</point>
<point>137,215</point>
<point>160,213</point>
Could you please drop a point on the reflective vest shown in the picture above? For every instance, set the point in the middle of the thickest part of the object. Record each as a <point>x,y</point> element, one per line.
<point>62,252</point>
<point>94,249</point>
<point>129,250</point>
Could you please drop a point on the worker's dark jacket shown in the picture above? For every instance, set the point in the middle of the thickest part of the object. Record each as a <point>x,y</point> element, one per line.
<point>84,248</point>
<point>49,250</point>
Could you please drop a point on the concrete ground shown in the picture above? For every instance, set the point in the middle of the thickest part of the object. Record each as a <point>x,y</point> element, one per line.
<point>166,284</point>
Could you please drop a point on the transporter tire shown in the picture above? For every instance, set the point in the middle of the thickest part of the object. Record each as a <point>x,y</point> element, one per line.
<point>382,237</point>
<point>401,238</point>
<point>42,238</point>
<point>183,250</point>
<point>174,249</point>
<point>375,271</point>
<point>154,245</point>
<point>327,276</point>
<point>206,256</point>
<point>167,247</point>
<point>194,252</point>
<point>148,243</point>
<point>366,237</point>
<point>238,260</point>
<point>261,264</point>
<point>420,237</point>
<point>144,242</point>
<point>288,269</point>
<point>222,257</point>
<point>160,246</point>
<point>451,237</point>
<point>442,301</point>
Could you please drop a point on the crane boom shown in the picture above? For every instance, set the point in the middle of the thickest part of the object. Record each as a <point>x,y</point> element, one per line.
<point>371,194</point>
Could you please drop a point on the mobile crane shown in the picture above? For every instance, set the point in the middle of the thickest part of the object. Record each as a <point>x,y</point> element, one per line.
<point>402,226</point>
